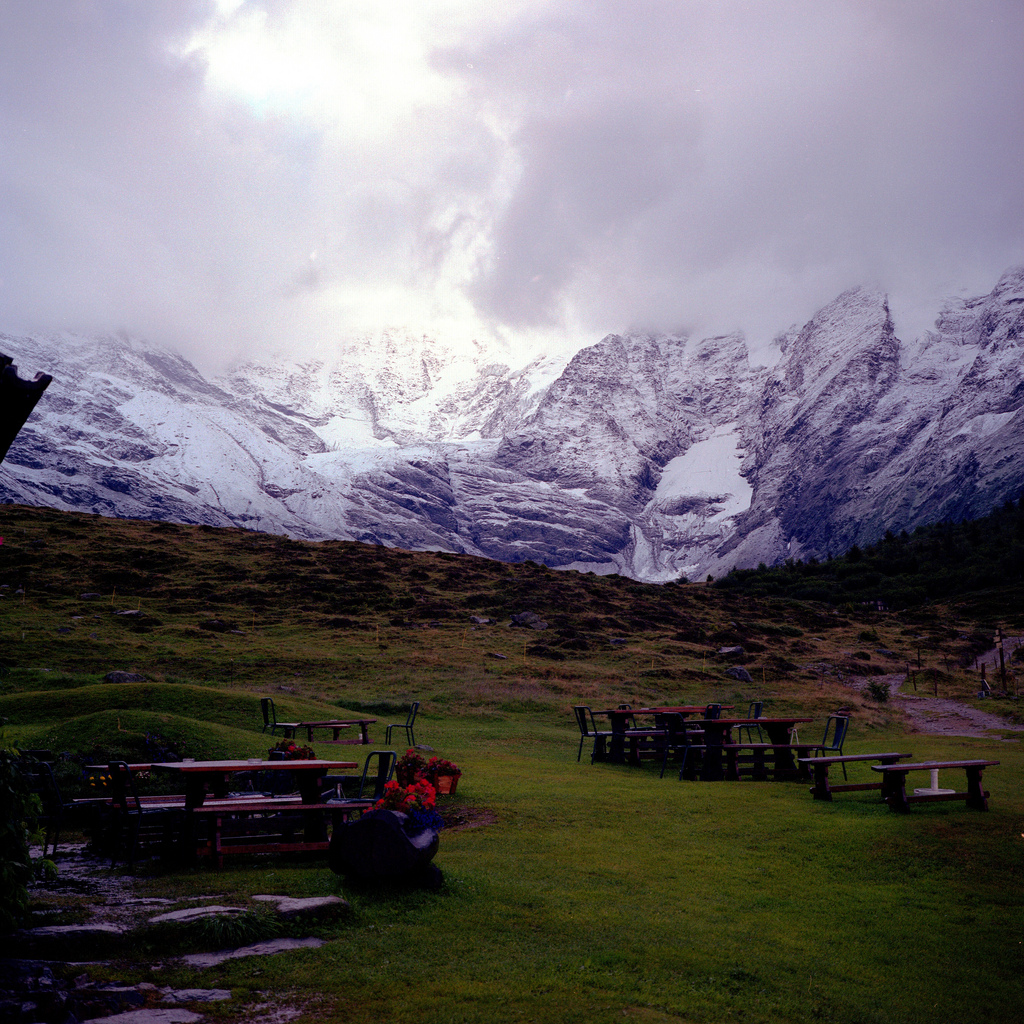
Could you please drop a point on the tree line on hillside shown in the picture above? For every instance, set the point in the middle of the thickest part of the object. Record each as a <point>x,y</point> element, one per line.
<point>933,563</point>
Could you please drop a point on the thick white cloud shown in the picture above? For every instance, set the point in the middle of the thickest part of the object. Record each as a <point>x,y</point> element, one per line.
<point>227,175</point>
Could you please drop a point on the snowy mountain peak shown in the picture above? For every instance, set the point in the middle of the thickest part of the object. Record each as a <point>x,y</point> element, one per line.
<point>652,455</point>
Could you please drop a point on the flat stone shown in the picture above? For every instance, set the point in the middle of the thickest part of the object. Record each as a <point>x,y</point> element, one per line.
<point>268,948</point>
<point>194,913</point>
<point>194,995</point>
<point>172,1015</point>
<point>730,650</point>
<point>290,907</point>
<point>76,931</point>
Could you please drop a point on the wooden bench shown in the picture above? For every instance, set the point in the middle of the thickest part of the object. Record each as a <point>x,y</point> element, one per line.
<point>644,743</point>
<point>894,784</point>
<point>821,790</point>
<point>782,765</point>
<point>268,825</point>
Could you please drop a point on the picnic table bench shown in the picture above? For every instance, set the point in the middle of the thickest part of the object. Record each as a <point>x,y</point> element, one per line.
<point>782,759</point>
<point>821,790</point>
<point>894,784</point>
<point>268,825</point>
<point>721,755</point>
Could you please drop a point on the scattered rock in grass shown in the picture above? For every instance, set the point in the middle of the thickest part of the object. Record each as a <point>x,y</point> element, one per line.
<point>217,625</point>
<point>202,960</point>
<point>318,907</point>
<point>89,597</point>
<point>740,673</point>
<point>528,620</point>
<point>542,651</point>
<point>131,613</point>
<point>481,620</point>
<point>123,677</point>
<point>618,640</point>
<point>495,654</point>
<point>730,650</point>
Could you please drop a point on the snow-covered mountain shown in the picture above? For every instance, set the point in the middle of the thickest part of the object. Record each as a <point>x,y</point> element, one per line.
<point>651,456</point>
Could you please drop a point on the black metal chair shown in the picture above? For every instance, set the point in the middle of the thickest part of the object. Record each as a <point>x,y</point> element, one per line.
<point>754,711</point>
<point>832,741</point>
<point>713,711</point>
<point>135,821</point>
<point>407,725</point>
<point>631,724</point>
<point>589,730</point>
<point>270,720</point>
<point>386,760</point>
<point>679,736</point>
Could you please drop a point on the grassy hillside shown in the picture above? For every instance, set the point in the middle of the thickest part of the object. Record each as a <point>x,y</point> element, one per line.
<point>587,892</point>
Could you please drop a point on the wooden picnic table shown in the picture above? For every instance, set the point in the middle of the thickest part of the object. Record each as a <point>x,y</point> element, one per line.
<point>622,735</point>
<point>718,739</point>
<point>201,776</point>
<point>214,776</point>
<point>335,725</point>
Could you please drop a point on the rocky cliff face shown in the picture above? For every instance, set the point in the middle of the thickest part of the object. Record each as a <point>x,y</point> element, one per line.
<point>651,456</point>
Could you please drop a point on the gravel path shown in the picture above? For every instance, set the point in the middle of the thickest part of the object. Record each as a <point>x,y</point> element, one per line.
<point>949,717</point>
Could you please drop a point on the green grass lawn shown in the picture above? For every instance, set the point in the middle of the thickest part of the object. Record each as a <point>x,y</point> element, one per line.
<point>583,892</point>
<point>596,891</point>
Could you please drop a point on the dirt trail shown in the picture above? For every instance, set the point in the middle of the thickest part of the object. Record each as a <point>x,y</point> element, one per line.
<point>949,717</point>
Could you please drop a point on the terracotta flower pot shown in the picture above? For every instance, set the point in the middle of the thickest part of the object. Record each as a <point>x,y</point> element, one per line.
<point>446,783</point>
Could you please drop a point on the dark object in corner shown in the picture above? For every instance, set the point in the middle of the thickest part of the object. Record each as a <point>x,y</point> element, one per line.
<point>17,399</point>
<point>385,846</point>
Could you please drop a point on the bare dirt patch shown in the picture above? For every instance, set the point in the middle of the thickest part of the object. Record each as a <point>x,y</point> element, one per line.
<point>457,819</point>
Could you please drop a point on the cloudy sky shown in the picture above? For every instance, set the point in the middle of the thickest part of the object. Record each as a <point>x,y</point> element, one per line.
<point>228,176</point>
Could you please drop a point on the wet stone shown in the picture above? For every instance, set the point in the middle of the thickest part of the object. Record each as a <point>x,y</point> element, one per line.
<point>202,960</point>
<point>194,914</point>
<point>194,995</point>
<point>320,907</point>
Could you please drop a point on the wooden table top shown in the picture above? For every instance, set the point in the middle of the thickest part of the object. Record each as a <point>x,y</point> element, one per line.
<point>253,765</point>
<point>748,721</point>
<point>337,722</point>
<point>681,709</point>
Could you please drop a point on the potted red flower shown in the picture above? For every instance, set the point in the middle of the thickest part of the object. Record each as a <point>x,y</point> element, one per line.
<point>409,767</point>
<point>288,750</point>
<point>442,774</point>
